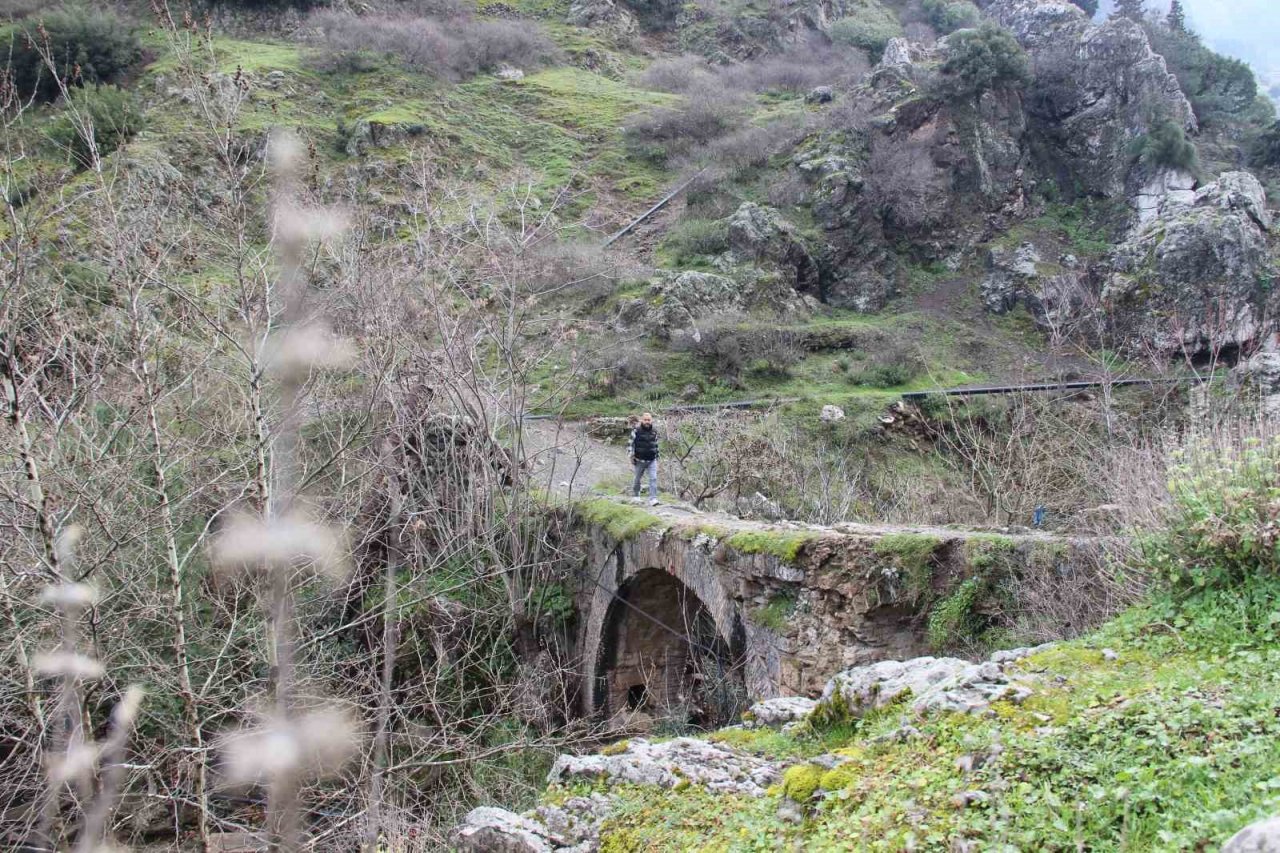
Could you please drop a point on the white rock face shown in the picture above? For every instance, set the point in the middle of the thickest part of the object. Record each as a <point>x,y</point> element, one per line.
<point>1165,191</point>
<point>830,414</point>
<point>897,53</point>
<point>491,830</point>
<point>673,763</point>
<point>934,684</point>
<point>784,709</point>
<point>1260,837</point>
<point>1187,280</point>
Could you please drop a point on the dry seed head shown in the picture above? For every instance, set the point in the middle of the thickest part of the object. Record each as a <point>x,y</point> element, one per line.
<point>68,665</point>
<point>284,152</point>
<point>70,597</point>
<point>76,763</point>
<point>250,543</point>
<point>126,710</point>
<point>312,746</point>
<point>296,353</point>
<point>65,546</point>
<point>296,225</point>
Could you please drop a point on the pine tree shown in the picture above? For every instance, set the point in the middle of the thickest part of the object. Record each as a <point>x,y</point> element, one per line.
<point>1177,18</point>
<point>1134,10</point>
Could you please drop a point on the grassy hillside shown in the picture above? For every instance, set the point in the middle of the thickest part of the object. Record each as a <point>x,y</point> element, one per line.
<point>1158,731</point>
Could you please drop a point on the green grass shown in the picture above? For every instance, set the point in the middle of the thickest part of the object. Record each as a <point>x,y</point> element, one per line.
<point>1174,745</point>
<point>775,613</point>
<point>783,544</point>
<point>619,520</point>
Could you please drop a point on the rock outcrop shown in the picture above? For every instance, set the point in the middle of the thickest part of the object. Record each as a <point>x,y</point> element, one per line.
<point>604,15</point>
<point>1010,276</point>
<point>678,300</point>
<point>672,764</point>
<point>780,711</point>
<point>571,827</point>
<point>1187,280</point>
<point>1098,87</point>
<point>760,234</point>
<point>928,683</point>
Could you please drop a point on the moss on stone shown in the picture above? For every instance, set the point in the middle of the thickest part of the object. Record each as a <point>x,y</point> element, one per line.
<point>616,748</point>
<point>911,555</point>
<point>620,521</point>
<point>840,777</point>
<point>800,782</point>
<point>783,544</point>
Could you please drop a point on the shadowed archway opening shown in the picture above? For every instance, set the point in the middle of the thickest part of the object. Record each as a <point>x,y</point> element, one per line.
<point>663,658</point>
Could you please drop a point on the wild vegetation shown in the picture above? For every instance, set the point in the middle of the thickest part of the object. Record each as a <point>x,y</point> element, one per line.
<point>306,312</point>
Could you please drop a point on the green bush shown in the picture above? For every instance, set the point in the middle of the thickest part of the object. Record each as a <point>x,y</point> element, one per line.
<point>1266,151</point>
<point>947,16</point>
<point>86,45</point>
<point>869,29</point>
<point>955,621</point>
<point>108,115</point>
<point>692,239</point>
<point>1223,522</point>
<point>983,59</point>
<point>1167,147</point>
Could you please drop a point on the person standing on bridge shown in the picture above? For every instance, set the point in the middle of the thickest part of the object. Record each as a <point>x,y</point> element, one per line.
<point>643,448</point>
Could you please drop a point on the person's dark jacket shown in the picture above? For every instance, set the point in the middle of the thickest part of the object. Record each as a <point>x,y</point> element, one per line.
<point>644,444</point>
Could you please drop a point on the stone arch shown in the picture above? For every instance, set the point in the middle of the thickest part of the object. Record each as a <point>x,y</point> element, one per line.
<point>662,654</point>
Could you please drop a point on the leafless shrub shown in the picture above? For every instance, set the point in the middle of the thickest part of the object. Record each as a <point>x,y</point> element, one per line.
<point>577,271</point>
<point>788,189</point>
<point>677,74</point>
<point>452,49</point>
<point>669,132</point>
<point>902,185</point>
<point>750,147</point>
<point>615,369</point>
<point>732,348</point>
<point>800,70</point>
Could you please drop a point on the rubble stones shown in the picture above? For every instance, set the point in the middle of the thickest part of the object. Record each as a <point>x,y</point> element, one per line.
<point>672,764</point>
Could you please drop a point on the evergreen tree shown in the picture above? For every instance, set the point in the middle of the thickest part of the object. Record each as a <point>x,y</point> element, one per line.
<point>1134,10</point>
<point>1177,19</point>
<point>1090,7</point>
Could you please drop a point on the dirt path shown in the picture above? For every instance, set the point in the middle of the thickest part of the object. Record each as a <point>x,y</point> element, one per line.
<point>573,465</point>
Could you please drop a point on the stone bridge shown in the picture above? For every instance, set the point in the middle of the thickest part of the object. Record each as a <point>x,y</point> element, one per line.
<point>677,604</point>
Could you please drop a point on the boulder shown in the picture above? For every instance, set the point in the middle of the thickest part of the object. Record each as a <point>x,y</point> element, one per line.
<point>1260,837</point>
<point>1011,274</point>
<point>831,414</point>
<point>820,95</point>
<point>782,710</point>
<point>616,430</point>
<point>929,683</point>
<point>1186,281</point>
<point>494,830</point>
<point>604,15</point>
<point>679,300</point>
<point>897,53</point>
<point>672,764</point>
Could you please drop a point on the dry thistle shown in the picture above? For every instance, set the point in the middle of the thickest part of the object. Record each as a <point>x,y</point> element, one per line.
<point>252,544</point>
<point>69,665</point>
<point>308,746</point>
<point>295,354</point>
